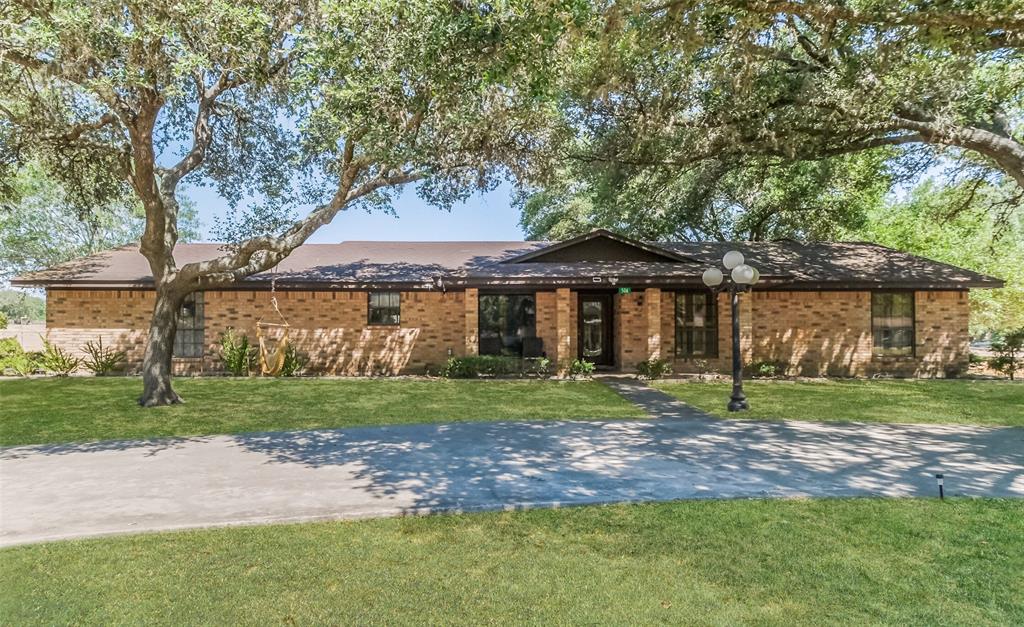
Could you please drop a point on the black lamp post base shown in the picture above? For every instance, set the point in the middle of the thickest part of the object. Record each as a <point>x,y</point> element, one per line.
<point>738,404</point>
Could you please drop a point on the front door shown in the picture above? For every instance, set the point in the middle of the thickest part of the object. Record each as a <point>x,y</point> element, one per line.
<point>595,332</point>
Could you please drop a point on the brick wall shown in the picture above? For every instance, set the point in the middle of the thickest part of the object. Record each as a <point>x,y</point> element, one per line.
<point>829,334</point>
<point>120,318</point>
<point>330,327</point>
<point>810,333</point>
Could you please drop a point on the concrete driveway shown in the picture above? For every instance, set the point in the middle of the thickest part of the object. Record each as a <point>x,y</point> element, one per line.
<point>52,492</point>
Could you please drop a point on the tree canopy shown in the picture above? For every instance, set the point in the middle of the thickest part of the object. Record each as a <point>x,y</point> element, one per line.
<point>325,104</point>
<point>678,105</point>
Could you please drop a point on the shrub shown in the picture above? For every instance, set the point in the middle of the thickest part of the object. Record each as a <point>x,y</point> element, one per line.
<point>57,360</point>
<point>473,366</point>
<point>238,356</point>
<point>100,359</point>
<point>581,368</point>
<point>653,369</point>
<point>765,369</point>
<point>9,346</point>
<point>14,359</point>
<point>3,320</point>
<point>1009,352</point>
<point>538,366</point>
<point>294,361</point>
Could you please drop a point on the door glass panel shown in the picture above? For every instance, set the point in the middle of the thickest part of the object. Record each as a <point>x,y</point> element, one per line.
<point>593,328</point>
<point>700,304</point>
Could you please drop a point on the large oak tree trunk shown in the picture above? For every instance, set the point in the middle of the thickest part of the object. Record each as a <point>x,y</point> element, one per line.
<point>156,363</point>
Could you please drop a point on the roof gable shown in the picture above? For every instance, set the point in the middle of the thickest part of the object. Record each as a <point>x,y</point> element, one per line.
<point>601,245</point>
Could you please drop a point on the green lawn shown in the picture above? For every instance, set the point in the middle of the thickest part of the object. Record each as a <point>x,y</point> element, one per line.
<point>927,401</point>
<point>84,409</point>
<point>858,561</point>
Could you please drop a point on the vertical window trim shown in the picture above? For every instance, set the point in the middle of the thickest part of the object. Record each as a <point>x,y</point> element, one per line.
<point>370,308</point>
<point>684,333</point>
<point>876,351</point>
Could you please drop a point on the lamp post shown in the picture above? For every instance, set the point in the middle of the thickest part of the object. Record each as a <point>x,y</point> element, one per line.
<point>741,278</point>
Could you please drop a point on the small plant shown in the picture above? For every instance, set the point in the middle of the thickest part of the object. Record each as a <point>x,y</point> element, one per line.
<point>3,320</point>
<point>766,369</point>
<point>57,360</point>
<point>294,361</point>
<point>581,368</point>
<point>539,366</point>
<point>653,369</point>
<point>1009,352</point>
<point>102,360</point>
<point>238,356</point>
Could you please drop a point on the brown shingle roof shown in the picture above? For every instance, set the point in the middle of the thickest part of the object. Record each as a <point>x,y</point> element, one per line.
<point>834,265</point>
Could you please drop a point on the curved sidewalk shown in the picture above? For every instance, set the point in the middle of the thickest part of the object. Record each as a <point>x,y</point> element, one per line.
<point>51,492</point>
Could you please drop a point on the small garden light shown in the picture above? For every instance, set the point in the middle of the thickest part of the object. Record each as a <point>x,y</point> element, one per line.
<point>939,478</point>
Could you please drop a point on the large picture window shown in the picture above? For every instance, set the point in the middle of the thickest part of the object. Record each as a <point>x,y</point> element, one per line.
<point>696,325</point>
<point>384,308</point>
<point>892,322</point>
<point>504,320</point>
<point>189,340</point>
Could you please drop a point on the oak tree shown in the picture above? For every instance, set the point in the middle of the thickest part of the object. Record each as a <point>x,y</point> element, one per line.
<point>299,103</point>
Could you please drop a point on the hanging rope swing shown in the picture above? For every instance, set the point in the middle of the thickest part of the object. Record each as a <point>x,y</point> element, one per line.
<point>272,362</point>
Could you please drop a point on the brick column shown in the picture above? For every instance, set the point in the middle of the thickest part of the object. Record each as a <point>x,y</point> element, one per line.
<point>652,317</point>
<point>472,329</point>
<point>563,330</point>
<point>747,327</point>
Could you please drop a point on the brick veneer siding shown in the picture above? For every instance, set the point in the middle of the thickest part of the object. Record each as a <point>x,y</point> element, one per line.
<point>330,327</point>
<point>809,333</point>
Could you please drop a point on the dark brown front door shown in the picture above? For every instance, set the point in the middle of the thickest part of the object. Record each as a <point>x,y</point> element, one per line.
<point>595,329</point>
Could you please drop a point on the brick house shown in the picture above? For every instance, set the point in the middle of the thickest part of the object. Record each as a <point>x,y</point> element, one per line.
<point>820,309</point>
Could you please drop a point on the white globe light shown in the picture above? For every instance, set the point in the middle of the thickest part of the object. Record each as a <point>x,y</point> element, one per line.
<point>732,259</point>
<point>757,276</point>
<point>742,274</point>
<point>712,277</point>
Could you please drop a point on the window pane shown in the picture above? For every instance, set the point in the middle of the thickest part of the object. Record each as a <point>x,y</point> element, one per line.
<point>188,340</point>
<point>696,325</point>
<point>384,308</point>
<point>503,321</point>
<point>699,313</point>
<point>892,319</point>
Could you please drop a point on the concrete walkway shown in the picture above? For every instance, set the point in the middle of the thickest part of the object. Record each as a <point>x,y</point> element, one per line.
<point>51,492</point>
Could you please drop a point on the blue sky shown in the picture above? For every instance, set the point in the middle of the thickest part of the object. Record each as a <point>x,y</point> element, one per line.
<point>484,217</point>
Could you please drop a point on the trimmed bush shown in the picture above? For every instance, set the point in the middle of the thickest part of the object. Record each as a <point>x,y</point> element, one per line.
<point>653,369</point>
<point>473,366</point>
<point>581,368</point>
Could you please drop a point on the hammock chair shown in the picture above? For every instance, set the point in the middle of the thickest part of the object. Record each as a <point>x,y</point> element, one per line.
<point>272,362</point>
